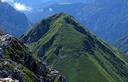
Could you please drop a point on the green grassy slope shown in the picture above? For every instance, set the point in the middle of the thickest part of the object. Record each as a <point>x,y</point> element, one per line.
<point>77,53</point>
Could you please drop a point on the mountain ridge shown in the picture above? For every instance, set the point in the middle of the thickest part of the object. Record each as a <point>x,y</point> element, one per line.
<point>76,52</point>
<point>100,16</point>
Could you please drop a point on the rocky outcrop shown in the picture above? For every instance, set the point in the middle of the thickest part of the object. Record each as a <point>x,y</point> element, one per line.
<point>18,63</point>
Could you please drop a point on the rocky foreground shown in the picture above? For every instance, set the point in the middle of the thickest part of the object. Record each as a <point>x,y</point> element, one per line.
<point>17,63</point>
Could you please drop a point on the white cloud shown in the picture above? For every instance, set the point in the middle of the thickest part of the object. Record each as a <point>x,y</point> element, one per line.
<point>9,1</point>
<point>21,7</point>
<point>17,5</point>
<point>50,9</point>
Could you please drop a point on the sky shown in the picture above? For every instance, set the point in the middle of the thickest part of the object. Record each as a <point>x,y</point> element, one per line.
<point>29,5</point>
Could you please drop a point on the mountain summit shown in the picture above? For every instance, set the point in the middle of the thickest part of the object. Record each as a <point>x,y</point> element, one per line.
<point>104,17</point>
<point>81,56</point>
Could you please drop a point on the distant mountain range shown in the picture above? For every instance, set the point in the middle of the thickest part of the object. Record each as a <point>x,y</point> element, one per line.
<point>34,4</point>
<point>79,55</point>
<point>12,21</point>
<point>108,19</point>
<point>104,18</point>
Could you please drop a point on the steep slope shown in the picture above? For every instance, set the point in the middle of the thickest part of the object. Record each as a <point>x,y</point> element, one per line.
<point>18,63</point>
<point>12,21</point>
<point>82,57</point>
<point>99,16</point>
<point>122,44</point>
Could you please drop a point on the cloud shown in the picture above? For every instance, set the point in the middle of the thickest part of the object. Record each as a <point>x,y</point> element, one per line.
<point>50,9</point>
<point>21,7</point>
<point>9,1</point>
<point>17,5</point>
